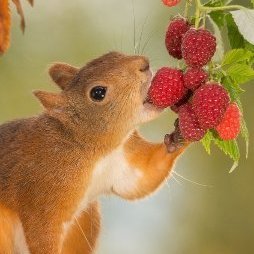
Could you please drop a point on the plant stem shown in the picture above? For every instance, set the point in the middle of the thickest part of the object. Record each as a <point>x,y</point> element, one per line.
<point>204,19</point>
<point>219,8</point>
<point>201,8</point>
<point>198,4</point>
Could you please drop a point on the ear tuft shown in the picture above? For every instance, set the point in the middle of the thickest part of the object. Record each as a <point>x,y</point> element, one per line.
<point>62,74</point>
<point>50,100</point>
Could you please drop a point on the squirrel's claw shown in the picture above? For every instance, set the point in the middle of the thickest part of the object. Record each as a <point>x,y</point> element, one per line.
<point>174,140</point>
<point>171,144</point>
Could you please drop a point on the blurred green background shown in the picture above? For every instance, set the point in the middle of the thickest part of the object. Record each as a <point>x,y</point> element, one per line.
<point>182,217</point>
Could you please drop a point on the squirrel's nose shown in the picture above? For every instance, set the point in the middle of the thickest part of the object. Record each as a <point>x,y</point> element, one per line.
<point>141,63</point>
<point>145,66</point>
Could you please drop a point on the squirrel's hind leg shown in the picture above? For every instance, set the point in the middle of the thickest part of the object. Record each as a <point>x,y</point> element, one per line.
<point>43,234</point>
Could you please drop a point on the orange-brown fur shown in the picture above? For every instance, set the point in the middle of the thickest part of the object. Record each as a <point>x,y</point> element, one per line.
<point>48,162</point>
<point>7,222</point>
<point>82,237</point>
<point>153,160</point>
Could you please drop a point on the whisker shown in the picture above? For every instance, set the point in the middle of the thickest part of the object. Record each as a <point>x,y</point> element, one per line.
<point>134,27</point>
<point>167,183</point>
<point>153,33</point>
<point>141,34</point>
<point>83,233</point>
<point>173,177</point>
<point>191,181</point>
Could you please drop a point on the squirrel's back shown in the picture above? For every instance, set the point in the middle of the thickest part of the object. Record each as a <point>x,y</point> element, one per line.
<point>27,146</point>
<point>11,133</point>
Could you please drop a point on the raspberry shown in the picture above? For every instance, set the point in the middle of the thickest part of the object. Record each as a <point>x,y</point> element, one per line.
<point>194,78</point>
<point>198,47</point>
<point>167,87</point>
<point>210,102</point>
<point>176,29</point>
<point>189,125</point>
<point>182,101</point>
<point>229,127</point>
<point>171,3</point>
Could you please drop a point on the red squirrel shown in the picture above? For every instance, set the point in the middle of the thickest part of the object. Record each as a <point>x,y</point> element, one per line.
<point>54,166</point>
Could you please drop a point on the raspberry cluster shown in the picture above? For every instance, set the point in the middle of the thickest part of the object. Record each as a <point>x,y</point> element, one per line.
<point>200,103</point>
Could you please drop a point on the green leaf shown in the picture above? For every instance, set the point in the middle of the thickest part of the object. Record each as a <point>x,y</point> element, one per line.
<point>244,20</point>
<point>245,135</point>
<point>236,56</point>
<point>230,148</point>
<point>236,40</point>
<point>233,88</point>
<point>240,73</point>
<point>206,141</point>
<point>248,45</point>
<point>234,166</point>
<point>218,17</point>
<point>244,129</point>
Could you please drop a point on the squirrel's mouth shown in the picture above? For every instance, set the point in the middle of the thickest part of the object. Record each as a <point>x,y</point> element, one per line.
<point>147,101</point>
<point>149,111</point>
<point>148,105</point>
<point>147,84</point>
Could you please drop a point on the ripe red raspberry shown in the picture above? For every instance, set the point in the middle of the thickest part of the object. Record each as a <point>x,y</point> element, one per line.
<point>167,87</point>
<point>198,47</point>
<point>189,125</point>
<point>210,102</point>
<point>229,127</point>
<point>182,101</point>
<point>171,3</point>
<point>173,40</point>
<point>194,78</point>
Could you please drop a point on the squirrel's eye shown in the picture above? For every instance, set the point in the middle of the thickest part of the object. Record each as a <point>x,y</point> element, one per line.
<point>98,93</point>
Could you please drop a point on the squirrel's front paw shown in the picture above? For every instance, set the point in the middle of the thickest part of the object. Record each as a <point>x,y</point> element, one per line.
<point>174,140</point>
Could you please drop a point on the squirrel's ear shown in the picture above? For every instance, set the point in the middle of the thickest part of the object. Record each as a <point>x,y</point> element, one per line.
<point>50,100</point>
<point>62,74</point>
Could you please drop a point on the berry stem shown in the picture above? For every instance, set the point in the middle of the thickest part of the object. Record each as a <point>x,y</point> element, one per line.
<point>186,8</point>
<point>197,13</point>
<point>210,68</point>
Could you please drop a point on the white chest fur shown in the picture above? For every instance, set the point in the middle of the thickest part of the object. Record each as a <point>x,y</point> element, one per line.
<point>111,173</point>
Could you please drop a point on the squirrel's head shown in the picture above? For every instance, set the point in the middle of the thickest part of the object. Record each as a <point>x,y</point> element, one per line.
<point>109,94</point>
